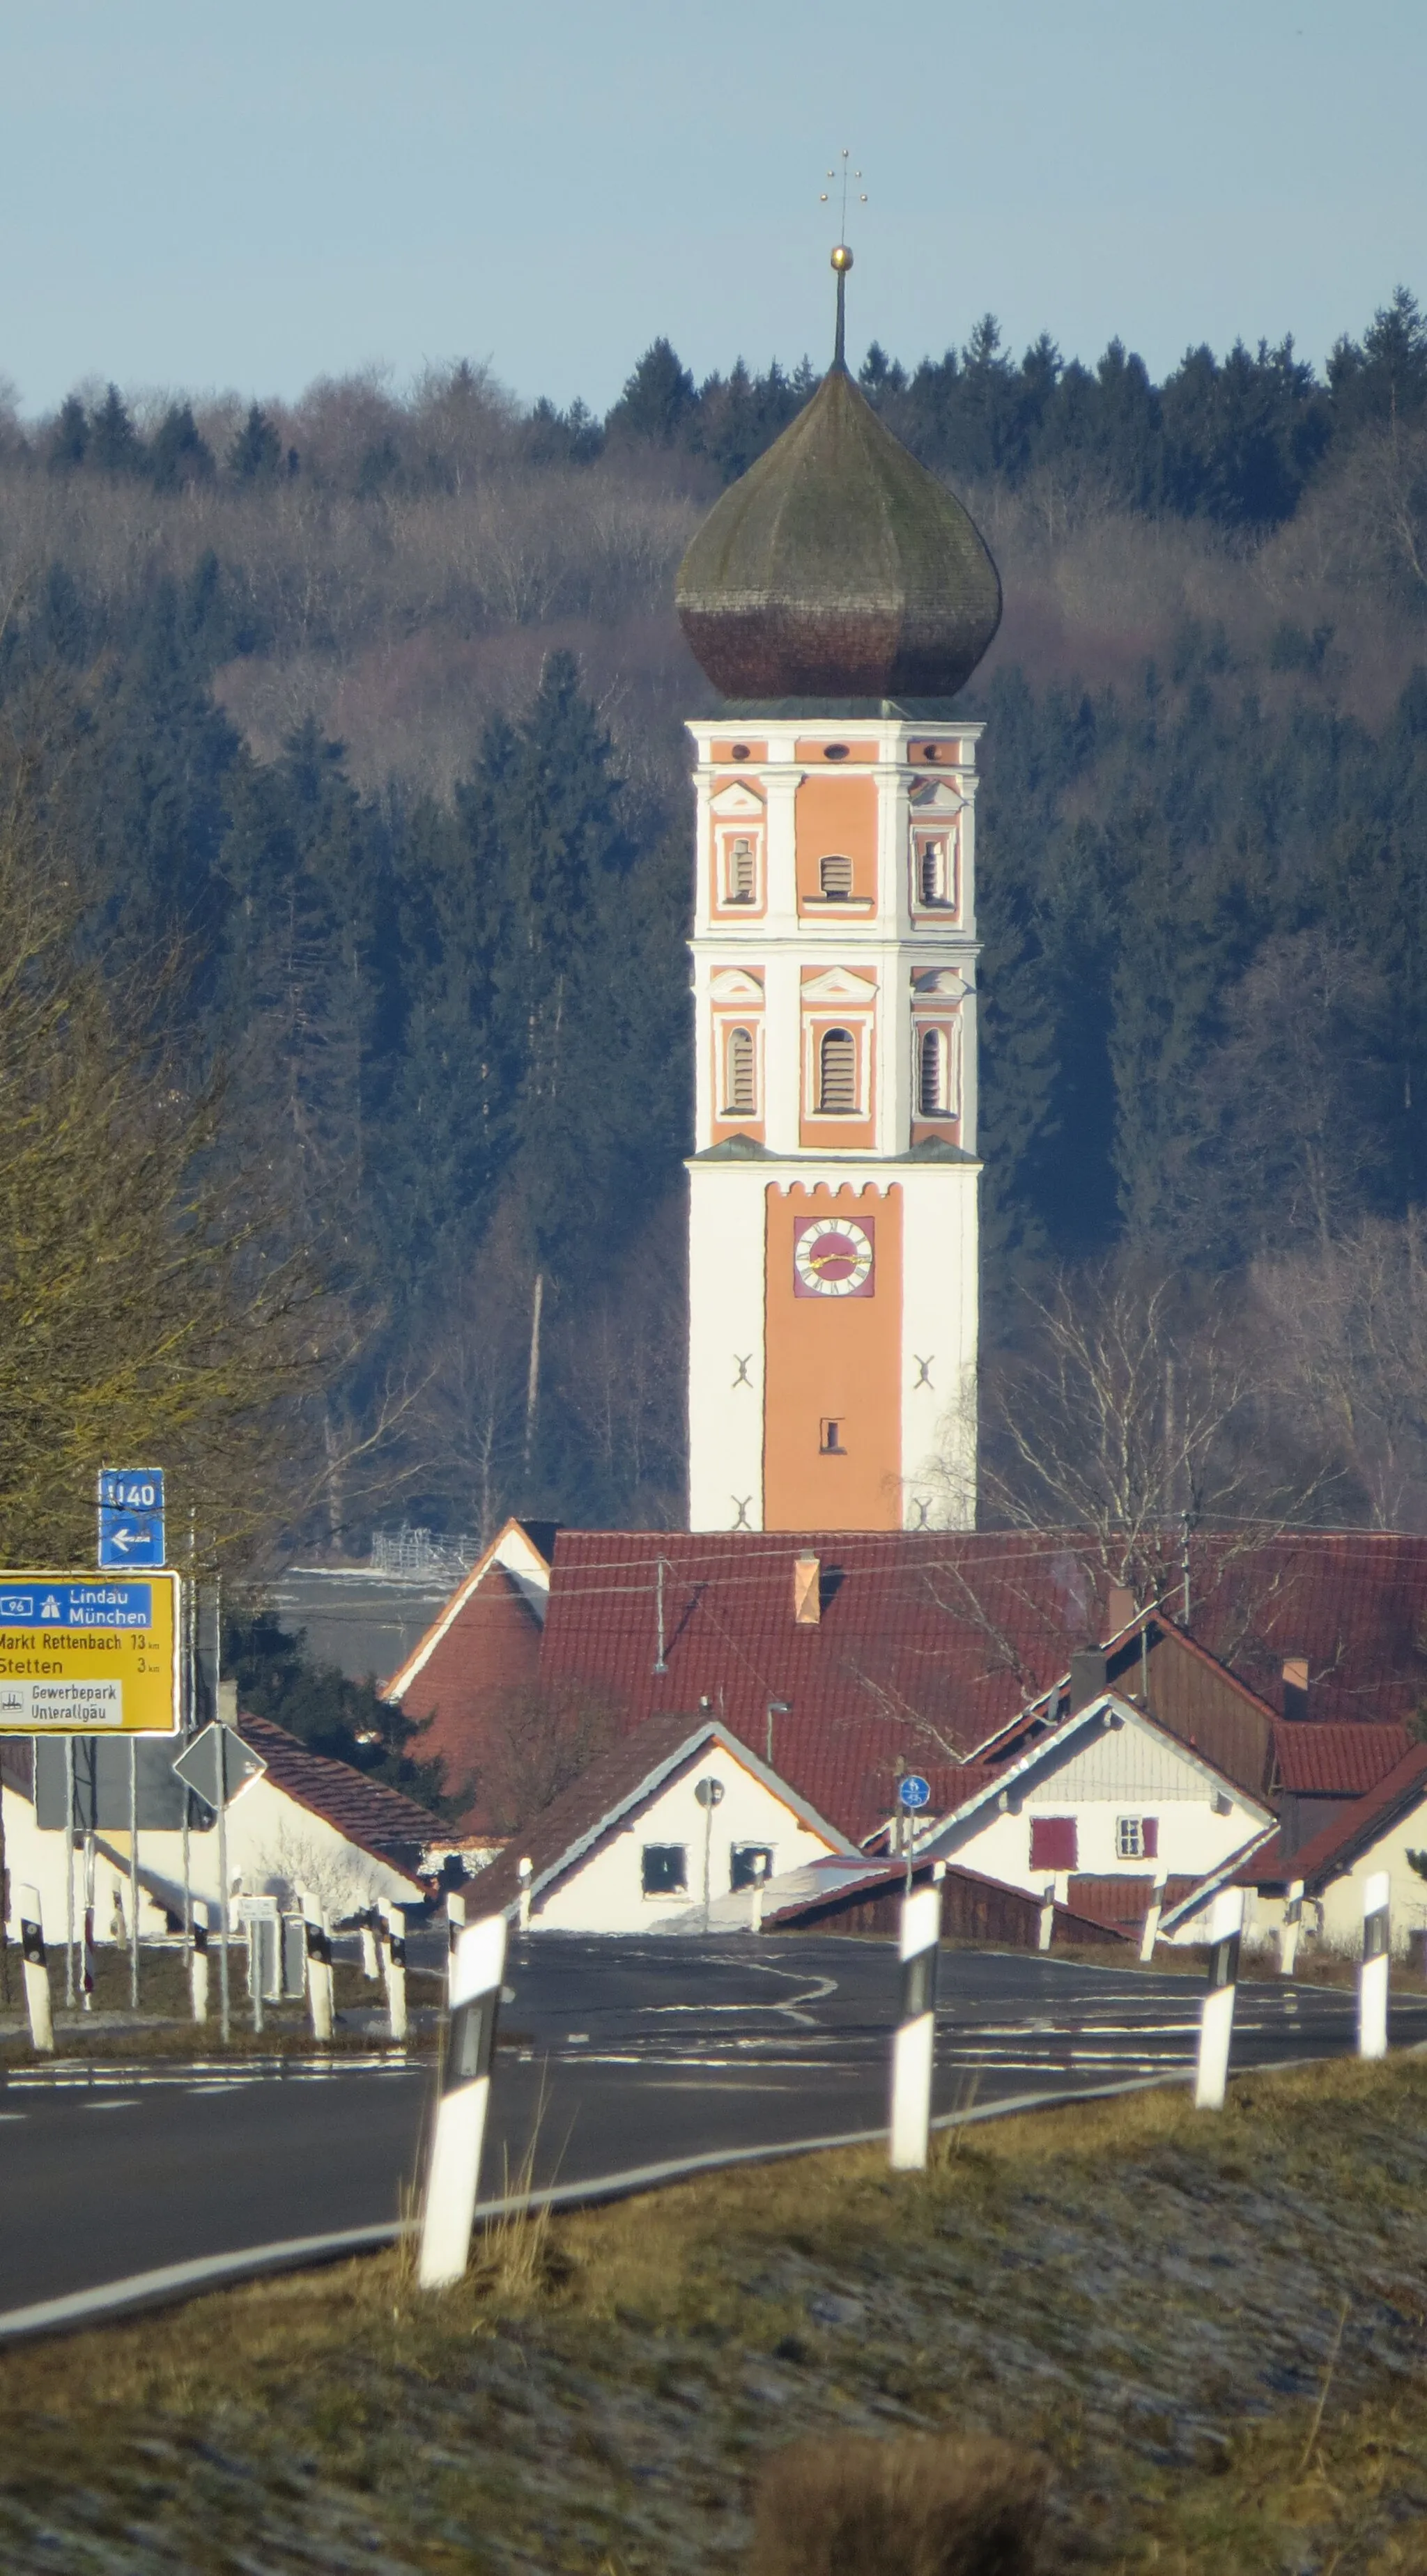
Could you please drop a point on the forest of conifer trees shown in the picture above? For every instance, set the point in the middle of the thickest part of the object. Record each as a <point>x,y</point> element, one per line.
<point>368,710</point>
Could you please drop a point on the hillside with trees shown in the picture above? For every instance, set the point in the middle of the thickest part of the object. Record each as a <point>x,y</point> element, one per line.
<point>367,718</point>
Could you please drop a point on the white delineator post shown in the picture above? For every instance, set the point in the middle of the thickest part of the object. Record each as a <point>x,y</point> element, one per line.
<point>319,1964</point>
<point>1047,1927</point>
<point>755,1902</point>
<point>455,1926</point>
<point>1290,1927</point>
<point>394,1967</point>
<point>1372,1975</point>
<point>37,1974</point>
<point>915,2038</point>
<point>477,1967</point>
<point>1216,2020</point>
<point>198,1960</point>
<point>1150,1932</point>
<point>371,1960</point>
<point>524,1872</point>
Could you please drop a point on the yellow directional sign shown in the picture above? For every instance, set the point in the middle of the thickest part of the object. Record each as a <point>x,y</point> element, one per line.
<point>84,1654</point>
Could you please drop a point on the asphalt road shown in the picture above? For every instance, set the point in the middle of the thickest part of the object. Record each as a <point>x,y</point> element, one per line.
<point>615,2054</point>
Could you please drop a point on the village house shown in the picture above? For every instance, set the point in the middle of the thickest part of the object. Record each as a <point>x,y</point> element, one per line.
<point>305,1821</point>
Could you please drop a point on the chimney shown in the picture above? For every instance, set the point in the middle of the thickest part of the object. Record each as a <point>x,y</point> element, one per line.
<point>1295,1686</point>
<point>1119,1609</point>
<point>1087,1678</point>
<point>807,1591</point>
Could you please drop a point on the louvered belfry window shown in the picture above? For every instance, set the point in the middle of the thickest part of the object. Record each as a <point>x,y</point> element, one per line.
<point>835,878</point>
<point>837,1072</point>
<point>931,1073</point>
<point>741,871</point>
<point>742,1084</point>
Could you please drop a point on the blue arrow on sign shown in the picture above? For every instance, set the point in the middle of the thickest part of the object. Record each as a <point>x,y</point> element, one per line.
<point>131,1538</point>
<point>914,1791</point>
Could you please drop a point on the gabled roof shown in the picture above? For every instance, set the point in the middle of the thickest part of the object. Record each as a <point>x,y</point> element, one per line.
<point>365,1812</point>
<point>1335,1849</point>
<point>521,1551</point>
<point>620,1780</point>
<point>1341,1760</point>
<point>1049,1749</point>
<point>1192,1693</point>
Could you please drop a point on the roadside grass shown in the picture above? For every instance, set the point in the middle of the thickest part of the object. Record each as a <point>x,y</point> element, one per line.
<point>1212,2328</point>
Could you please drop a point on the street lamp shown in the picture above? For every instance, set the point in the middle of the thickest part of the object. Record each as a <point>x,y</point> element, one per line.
<point>776,1708</point>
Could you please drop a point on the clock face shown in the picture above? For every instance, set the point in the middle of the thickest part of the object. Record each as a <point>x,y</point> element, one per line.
<point>832,1257</point>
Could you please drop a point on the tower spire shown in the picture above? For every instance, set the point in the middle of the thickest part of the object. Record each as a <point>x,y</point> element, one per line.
<point>842,256</point>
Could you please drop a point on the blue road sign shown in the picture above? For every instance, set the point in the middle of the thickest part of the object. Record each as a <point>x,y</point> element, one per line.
<point>914,1791</point>
<point>131,1516</point>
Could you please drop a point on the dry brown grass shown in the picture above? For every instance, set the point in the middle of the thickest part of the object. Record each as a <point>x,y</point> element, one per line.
<point>915,2507</point>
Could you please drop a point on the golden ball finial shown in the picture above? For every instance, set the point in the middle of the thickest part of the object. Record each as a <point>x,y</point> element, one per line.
<point>842,257</point>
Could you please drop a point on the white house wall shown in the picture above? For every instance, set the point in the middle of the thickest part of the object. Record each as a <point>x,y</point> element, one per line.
<point>272,1842</point>
<point>1342,1899</point>
<point>605,1893</point>
<point>1127,1770</point>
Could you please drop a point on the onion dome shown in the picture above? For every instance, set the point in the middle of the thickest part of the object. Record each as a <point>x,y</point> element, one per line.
<point>837,567</point>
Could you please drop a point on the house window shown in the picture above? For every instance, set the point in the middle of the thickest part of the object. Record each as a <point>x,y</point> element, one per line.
<point>830,1437</point>
<point>664,1869</point>
<point>837,1073</point>
<point>742,870</point>
<point>748,1863</point>
<point>934,871</point>
<point>835,878</point>
<point>933,1092</point>
<point>1053,1842</point>
<point>740,1076</point>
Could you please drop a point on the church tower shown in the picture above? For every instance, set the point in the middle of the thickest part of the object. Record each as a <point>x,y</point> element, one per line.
<point>839,597</point>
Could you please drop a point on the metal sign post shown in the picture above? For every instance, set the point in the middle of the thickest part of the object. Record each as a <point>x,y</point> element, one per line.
<point>216,1765</point>
<point>709,1794</point>
<point>913,1793</point>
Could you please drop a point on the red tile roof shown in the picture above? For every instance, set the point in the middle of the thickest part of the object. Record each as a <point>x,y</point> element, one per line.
<point>379,1820</point>
<point>930,1643</point>
<point>1340,1760</point>
<point>1335,1849</point>
<point>926,1642</point>
<point>492,1643</point>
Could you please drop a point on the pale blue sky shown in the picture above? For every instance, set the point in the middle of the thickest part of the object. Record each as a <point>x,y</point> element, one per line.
<point>208,196</point>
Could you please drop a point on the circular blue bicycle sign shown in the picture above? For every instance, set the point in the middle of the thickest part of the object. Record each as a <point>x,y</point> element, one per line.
<point>914,1791</point>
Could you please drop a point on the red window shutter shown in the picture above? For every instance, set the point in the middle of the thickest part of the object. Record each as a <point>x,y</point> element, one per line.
<point>1053,1842</point>
<point>1149,1836</point>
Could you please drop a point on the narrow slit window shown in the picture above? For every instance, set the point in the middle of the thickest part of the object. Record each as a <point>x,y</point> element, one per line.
<point>742,870</point>
<point>835,879</point>
<point>932,1093</point>
<point>837,1073</point>
<point>830,1438</point>
<point>933,884</point>
<point>741,1086</point>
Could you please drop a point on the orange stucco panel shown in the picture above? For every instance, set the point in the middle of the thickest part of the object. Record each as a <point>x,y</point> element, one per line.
<point>836,815</point>
<point>728,751</point>
<point>832,1358</point>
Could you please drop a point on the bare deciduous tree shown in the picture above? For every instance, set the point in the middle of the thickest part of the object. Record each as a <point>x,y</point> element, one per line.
<point>1347,1327</point>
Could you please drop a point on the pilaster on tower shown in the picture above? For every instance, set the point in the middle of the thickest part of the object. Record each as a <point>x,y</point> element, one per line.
<point>840,596</point>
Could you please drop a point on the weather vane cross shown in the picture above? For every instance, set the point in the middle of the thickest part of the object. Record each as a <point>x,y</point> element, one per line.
<point>847,175</point>
<point>842,256</point>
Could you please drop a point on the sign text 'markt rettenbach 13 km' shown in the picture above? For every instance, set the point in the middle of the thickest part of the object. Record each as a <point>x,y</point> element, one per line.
<point>80,1657</point>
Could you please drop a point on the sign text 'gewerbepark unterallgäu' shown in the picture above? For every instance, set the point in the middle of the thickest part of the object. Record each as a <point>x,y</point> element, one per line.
<point>81,1655</point>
